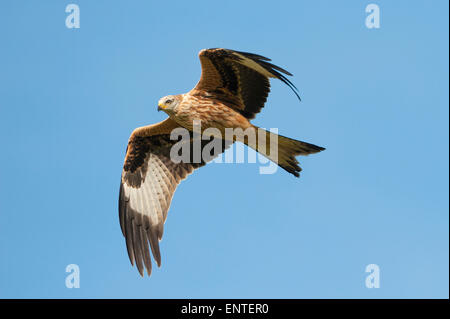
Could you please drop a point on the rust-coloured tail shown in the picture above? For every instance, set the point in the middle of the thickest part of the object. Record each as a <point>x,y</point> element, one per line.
<point>282,150</point>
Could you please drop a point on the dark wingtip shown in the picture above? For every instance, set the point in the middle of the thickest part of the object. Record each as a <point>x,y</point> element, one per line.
<point>272,68</point>
<point>252,56</point>
<point>279,73</point>
<point>286,81</point>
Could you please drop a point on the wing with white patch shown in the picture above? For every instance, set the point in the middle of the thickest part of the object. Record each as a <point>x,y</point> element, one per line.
<point>239,79</point>
<point>149,180</point>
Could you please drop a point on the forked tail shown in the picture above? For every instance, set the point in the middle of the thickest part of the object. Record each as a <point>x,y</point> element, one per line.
<point>280,149</point>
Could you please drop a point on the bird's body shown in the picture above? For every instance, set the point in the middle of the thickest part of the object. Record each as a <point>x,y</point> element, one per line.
<point>232,90</point>
<point>210,112</point>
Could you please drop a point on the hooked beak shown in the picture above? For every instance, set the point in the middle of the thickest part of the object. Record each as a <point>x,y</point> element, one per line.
<point>160,107</point>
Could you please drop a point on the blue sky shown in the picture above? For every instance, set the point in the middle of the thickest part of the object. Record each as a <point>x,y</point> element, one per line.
<point>377,99</point>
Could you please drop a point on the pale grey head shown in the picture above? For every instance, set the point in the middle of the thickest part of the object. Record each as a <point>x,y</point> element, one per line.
<point>168,103</point>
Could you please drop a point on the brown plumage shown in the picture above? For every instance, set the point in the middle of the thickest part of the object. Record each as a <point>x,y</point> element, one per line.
<point>232,89</point>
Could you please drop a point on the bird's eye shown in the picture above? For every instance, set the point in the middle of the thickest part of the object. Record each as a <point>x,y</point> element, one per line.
<point>169,101</point>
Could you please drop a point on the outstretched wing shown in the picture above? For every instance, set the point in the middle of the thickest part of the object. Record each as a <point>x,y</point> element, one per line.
<point>239,79</point>
<point>149,180</point>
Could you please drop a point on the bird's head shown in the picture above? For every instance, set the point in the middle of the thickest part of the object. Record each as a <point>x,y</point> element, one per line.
<point>168,103</point>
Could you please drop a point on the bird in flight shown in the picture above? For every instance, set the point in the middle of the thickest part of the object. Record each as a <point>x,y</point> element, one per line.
<point>233,88</point>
